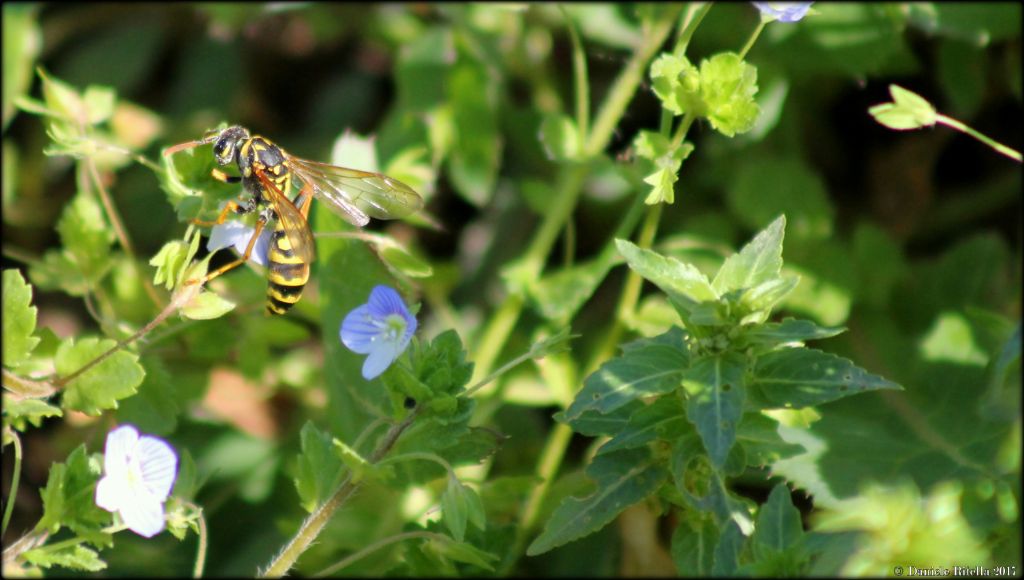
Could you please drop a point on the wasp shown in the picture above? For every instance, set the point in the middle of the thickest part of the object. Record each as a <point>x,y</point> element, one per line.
<point>267,172</point>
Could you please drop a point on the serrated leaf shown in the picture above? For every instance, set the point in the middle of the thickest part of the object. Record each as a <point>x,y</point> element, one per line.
<point>715,394</point>
<point>682,282</point>
<point>18,412</point>
<point>118,376</point>
<point>648,368</point>
<point>760,260</point>
<point>460,504</point>
<point>623,478</point>
<point>360,467</point>
<point>317,467</point>
<point>801,377</point>
<point>727,87</point>
<point>86,236</point>
<point>592,423</point>
<point>676,83</point>
<point>790,330</point>
<point>19,319</point>
<point>662,419</point>
<point>76,557</point>
<point>68,499</point>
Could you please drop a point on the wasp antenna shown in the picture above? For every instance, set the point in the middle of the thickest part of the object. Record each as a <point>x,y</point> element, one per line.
<point>181,146</point>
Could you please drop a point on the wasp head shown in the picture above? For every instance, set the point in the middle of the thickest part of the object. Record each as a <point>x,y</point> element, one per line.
<point>226,143</point>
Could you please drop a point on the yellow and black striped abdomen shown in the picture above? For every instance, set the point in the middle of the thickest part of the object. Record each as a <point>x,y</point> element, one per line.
<point>287,274</point>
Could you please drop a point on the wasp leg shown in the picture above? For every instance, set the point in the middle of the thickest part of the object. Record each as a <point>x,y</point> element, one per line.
<point>245,257</point>
<point>232,206</point>
<point>221,176</point>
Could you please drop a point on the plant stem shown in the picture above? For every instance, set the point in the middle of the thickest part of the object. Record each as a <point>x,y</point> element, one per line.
<point>315,523</point>
<point>497,331</point>
<point>999,147</point>
<point>15,477</point>
<point>695,12</point>
<point>197,571</point>
<point>582,86</point>
<point>753,38</point>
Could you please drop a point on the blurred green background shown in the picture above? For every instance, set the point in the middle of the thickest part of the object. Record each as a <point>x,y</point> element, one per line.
<point>889,230</point>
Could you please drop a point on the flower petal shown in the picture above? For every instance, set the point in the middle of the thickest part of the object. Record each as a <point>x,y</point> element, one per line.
<point>359,330</point>
<point>383,354</point>
<point>385,300</point>
<point>109,493</point>
<point>119,447</point>
<point>143,514</point>
<point>159,465</point>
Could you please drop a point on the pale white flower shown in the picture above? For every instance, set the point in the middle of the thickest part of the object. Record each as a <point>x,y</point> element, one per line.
<point>139,473</point>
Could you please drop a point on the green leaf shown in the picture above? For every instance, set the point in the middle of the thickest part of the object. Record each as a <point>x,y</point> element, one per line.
<point>759,436</point>
<point>907,111</point>
<point>648,367</point>
<point>879,264</point>
<point>74,557</point>
<point>560,295</point>
<point>86,236</point>
<point>662,419</point>
<point>155,409</point>
<point>18,412</point>
<point>206,306</point>
<point>19,319</point>
<point>461,504</point>
<point>714,401</point>
<point>727,552</point>
<point>759,261</point>
<point>361,468</point>
<point>676,83</point>
<point>560,137</point>
<point>778,527</point>
<point>116,377</point>
<point>466,553</point>
<point>401,259</point>
<point>764,187</point>
<point>68,499</point>
<point>623,479</point>
<point>317,467</point>
<point>693,546</point>
<point>771,334</point>
<point>759,300</point>
<point>727,87</point>
<point>22,41</point>
<point>476,148</point>
<point>801,377</point>
<point>950,339</point>
<point>593,423</point>
<point>682,282</point>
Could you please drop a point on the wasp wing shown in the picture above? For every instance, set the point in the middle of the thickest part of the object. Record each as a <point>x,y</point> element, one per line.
<point>357,195</point>
<point>292,221</point>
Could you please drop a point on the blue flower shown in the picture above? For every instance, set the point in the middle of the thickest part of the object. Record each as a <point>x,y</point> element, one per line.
<point>235,233</point>
<point>783,11</point>
<point>381,328</point>
<point>139,473</point>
